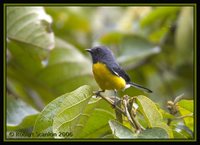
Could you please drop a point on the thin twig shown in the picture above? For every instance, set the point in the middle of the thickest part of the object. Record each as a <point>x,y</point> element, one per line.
<point>128,114</point>
<point>178,98</point>
<point>130,117</point>
<point>184,116</point>
<point>125,112</point>
<point>133,113</point>
<point>172,107</point>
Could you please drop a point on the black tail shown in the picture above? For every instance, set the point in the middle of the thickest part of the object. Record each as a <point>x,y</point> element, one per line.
<point>140,87</point>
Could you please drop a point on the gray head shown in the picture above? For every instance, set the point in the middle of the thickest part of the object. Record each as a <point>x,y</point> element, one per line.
<point>101,54</point>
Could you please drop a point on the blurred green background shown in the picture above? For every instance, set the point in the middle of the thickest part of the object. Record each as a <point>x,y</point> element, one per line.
<point>154,44</point>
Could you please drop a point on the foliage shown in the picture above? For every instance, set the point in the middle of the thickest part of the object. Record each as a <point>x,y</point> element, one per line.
<point>50,82</point>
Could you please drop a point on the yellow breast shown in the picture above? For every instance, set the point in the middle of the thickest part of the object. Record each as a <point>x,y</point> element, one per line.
<point>106,79</point>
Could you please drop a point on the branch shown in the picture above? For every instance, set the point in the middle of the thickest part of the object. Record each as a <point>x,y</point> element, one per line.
<point>127,103</point>
<point>111,102</point>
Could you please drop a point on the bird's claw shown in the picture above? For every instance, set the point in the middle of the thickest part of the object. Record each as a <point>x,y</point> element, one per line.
<point>97,93</point>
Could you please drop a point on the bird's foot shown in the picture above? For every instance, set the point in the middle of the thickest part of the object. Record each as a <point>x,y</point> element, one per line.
<point>98,93</point>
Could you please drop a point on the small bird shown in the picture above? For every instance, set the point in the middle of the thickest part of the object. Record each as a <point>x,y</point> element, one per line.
<point>107,72</point>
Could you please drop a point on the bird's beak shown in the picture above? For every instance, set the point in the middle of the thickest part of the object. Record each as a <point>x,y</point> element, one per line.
<point>88,50</point>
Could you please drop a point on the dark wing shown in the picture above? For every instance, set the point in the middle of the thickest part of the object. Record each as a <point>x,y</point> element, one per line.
<point>117,70</point>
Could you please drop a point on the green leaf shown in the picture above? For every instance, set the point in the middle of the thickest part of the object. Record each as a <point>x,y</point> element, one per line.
<point>96,125</point>
<point>185,107</point>
<point>36,90</point>
<point>48,117</point>
<point>29,40</point>
<point>153,133</point>
<point>72,24</point>
<point>70,112</point>
<point>186,104</point>
<point>27,122</point>
<point>184,37</point>
<point>179,135</point>
<point>181,131</point>
<point>68,64</point>
<point>165,127</point>
<point>25,63</point>
<point>30,25</point>
<point>111,38</point>
<point>57,74</point>
<point>16,88</point>
<point>67,69</point>
<point>165,114</point>
<point>75,18</point>
<point>134,49</point>
<point>121,131</point>
<point>31,55</point>
<point>152,115</point>
<point>44,121</point>
<point>149,110</point>
<point>158,13</point>
<point>19,114</point>
<point>93,102</point>
<point>65,52</point>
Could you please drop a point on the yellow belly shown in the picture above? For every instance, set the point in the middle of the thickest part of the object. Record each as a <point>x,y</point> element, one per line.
<point>105,79</point>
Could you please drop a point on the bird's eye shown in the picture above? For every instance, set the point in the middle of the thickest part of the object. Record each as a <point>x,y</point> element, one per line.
<point>98,49</point>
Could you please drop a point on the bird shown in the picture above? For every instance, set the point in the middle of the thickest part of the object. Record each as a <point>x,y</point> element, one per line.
<point>107,72</point>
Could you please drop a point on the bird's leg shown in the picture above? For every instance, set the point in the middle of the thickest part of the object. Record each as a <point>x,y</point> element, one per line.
<point>116,100</point>
<point>98,93</point>
<point>117,104</point>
